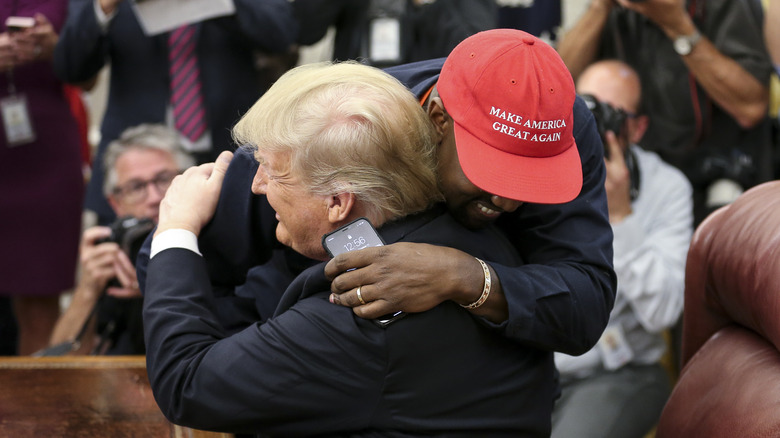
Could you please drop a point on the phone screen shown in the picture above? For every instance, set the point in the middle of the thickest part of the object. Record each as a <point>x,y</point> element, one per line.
<point>16,24</point>
<point>356,235</point>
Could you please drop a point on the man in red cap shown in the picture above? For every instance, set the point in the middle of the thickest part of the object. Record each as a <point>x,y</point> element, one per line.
<point>518,148</point>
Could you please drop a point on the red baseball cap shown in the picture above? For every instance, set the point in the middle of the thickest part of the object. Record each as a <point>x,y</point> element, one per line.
<point>511,97</point>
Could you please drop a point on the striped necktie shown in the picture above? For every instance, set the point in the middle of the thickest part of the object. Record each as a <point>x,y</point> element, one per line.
<point>186,97</point>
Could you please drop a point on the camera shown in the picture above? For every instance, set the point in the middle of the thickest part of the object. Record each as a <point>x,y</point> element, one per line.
<point>725,173</point>
<point>608,118</point>
<point>129,233</point>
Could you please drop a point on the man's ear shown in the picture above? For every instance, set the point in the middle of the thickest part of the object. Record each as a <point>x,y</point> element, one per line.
<point>340,206</point>
<point>439,117</point>
<point>112,201</point>
<point>640,126</point>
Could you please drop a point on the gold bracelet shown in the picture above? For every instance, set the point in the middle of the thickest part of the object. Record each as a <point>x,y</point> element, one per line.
<point>485,290</point>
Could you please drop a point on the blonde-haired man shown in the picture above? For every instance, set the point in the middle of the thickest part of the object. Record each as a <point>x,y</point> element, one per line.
<point>335,143</point>
<point>329,125</point>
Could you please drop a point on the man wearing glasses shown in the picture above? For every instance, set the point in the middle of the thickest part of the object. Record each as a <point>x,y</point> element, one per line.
<point>104,316</point>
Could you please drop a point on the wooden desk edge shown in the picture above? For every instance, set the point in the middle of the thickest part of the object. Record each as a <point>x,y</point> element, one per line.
<point>98,362</point>
<point>51,362</point>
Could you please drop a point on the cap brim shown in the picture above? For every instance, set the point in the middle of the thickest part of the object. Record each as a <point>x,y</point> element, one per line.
<point>547,180</point>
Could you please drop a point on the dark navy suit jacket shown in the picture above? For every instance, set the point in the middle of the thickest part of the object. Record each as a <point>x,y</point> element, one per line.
<point>139,86</point>
<point>317,369</point>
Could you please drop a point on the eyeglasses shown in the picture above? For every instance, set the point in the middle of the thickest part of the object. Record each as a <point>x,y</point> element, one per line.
<point>135,190</point>
<point>631,115</point>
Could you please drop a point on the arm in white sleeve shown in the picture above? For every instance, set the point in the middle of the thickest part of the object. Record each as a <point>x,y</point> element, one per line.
<point>175,238</point>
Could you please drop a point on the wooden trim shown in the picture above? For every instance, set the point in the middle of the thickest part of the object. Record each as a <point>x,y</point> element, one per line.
<point>83,362</point>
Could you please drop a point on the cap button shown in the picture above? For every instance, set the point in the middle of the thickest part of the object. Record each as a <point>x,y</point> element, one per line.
<point>528,40</point>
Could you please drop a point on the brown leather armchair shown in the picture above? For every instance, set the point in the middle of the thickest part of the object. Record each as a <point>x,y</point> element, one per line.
<point>729,385</point>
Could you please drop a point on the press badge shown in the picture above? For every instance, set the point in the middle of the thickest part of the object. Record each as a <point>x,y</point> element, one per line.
<point>16,120</point>
<point>615,351</point>
<point>385,40</point>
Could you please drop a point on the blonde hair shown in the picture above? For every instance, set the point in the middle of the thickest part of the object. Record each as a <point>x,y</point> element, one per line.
<point>349,128</point>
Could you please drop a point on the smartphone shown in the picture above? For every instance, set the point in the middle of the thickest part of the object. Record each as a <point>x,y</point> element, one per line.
<point>356,235</point>
<point>16,24</point>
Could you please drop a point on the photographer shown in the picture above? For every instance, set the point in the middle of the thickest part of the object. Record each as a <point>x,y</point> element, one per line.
<point>105,314</point>
<point>618,388</point>
<point>705,76</point>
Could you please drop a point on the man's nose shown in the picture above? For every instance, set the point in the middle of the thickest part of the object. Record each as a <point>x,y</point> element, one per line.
<point>258,184</point>
<point>505,204</point>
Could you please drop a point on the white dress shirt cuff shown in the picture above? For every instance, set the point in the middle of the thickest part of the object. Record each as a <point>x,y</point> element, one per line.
<point>174,238</point>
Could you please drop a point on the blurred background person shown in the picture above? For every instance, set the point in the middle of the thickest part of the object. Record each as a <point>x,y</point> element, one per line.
<point>619,387</point>
<point>705,75</point>
<point>104,316</point>
<point>147,73</point>
<point>542,18</point>
<point>383,33</point>
<point>41,182</point>
<point>343,18</point>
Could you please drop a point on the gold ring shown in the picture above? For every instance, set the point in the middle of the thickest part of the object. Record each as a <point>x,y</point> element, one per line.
<point>360,296</point>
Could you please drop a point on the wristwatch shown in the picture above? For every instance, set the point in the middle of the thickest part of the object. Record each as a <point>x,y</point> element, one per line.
<point>683,45</point>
